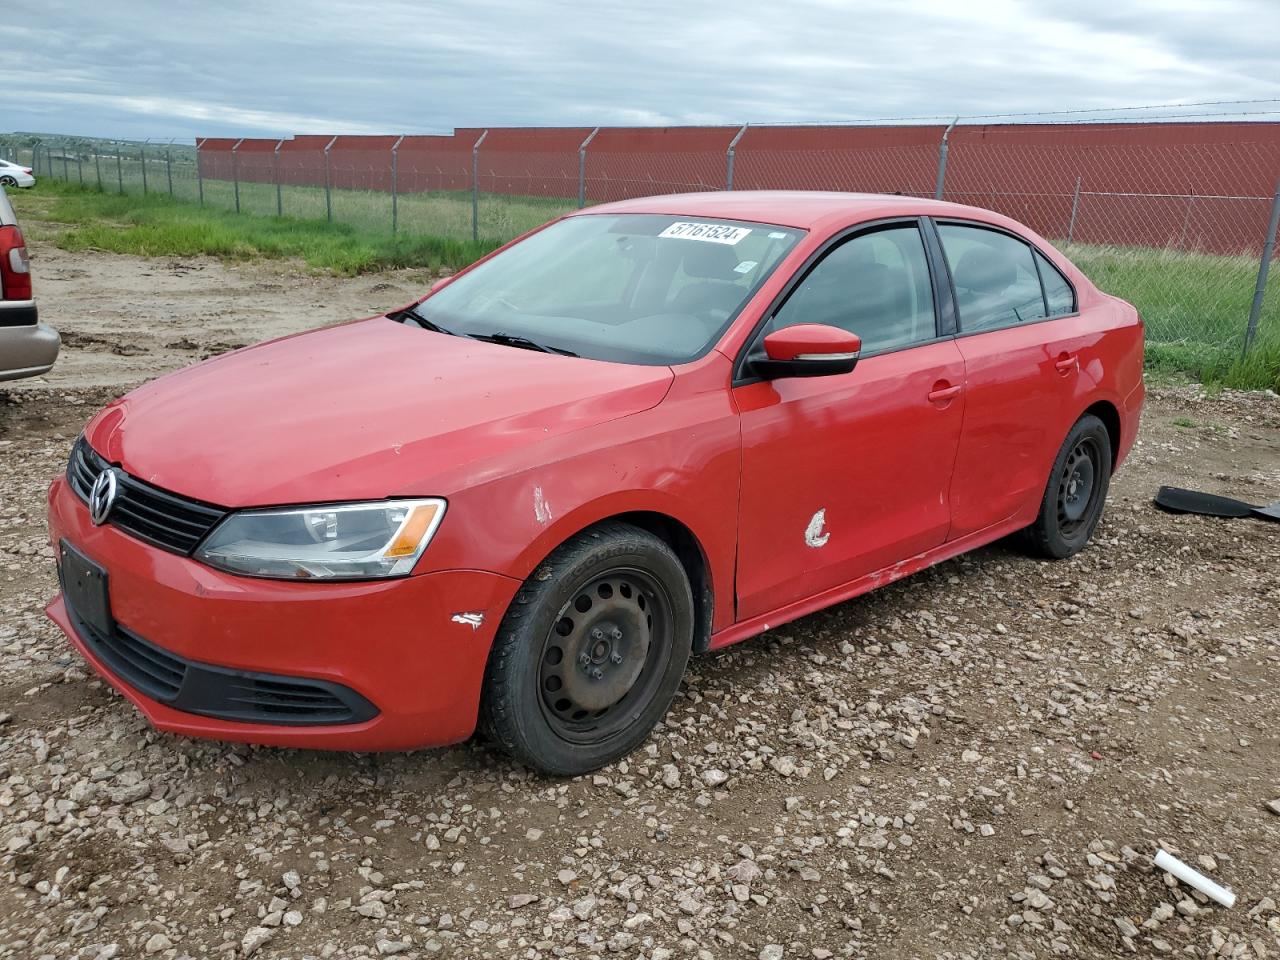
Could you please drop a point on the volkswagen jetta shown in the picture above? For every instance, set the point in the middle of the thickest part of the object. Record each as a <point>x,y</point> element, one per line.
<point>645,430</point>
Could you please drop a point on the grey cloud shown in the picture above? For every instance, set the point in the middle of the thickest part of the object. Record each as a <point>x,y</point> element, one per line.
<point>138,68</point>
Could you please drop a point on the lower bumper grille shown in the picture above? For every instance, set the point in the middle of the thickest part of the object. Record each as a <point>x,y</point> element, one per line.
<point>219,692</point>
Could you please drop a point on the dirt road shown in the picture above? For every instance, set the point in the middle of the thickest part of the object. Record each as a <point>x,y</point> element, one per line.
<point>976,762</point>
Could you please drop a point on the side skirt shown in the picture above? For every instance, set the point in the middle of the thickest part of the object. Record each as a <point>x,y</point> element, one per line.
<point>854,588</point>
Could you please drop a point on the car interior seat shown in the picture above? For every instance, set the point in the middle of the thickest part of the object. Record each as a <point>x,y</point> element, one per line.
<point>714,290</point>
<point>981,278</point>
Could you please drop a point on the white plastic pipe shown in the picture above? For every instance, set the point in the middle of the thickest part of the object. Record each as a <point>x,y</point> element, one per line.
<point>1195,879</point>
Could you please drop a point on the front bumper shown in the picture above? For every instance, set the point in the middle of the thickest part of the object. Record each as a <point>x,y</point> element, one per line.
<point>394,643</point>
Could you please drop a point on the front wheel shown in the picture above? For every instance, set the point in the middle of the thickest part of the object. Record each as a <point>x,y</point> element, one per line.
<point>590,653</point>
<point>1076,492</point>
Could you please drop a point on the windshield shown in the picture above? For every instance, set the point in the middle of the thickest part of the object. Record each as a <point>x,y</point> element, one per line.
<point>635,288</point>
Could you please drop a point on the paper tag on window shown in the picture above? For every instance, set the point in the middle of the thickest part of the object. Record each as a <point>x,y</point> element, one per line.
<point>746,266</point>
<point>707,232</point>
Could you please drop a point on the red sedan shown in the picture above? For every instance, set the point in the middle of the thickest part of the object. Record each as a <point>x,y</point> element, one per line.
<point>645,430</point>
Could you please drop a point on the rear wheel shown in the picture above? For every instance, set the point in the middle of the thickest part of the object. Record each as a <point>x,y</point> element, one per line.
<point>8,181</point>
<point>1076,492</point>
<point>590,654</point>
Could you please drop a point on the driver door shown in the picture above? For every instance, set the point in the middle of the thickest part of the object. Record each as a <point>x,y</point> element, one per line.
<point>845,475</point>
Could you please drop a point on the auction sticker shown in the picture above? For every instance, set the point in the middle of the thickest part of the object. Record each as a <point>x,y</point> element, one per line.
<point>707,232</point>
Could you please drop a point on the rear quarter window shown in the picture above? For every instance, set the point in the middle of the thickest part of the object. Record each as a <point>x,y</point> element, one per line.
<point>1058,293</point>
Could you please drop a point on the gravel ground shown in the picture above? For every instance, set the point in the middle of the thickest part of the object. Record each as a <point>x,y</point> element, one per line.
<point>979,761</point>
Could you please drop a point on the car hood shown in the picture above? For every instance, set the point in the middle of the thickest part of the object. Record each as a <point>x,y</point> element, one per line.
<point>364,410</point>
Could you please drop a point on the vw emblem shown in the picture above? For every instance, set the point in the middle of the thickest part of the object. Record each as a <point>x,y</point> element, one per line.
<point>103,496</point>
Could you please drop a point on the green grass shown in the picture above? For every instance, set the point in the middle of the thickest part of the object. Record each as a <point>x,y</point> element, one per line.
<point>1195,305</point>
<point>156,225</point>
<point>435,213</point>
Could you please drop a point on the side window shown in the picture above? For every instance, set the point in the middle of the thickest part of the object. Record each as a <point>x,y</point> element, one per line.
<point>1058,294</point>
<point>994,276</point>
<point>875,285</point>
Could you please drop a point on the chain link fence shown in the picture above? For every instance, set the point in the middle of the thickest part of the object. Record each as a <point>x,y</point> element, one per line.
<point>1179,218</point>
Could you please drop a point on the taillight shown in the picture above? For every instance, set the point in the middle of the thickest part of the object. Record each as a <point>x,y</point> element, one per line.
<point>27,171</point>
<point>15,267</point>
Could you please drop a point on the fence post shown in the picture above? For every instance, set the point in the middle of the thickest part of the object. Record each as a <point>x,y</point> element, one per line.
<point>729,154</point>
<point>942,159</point>
<point>395,186</point>
<point>199,172</point>
<point>120,168</point>
<point>142,152</point>
<point>582,168</point>
<point>66,170</point>
<point>35,157</point>
<point>475,188</point>
<point>1268,249</point>
<point>168,165</point>
<point>1075,208</point>
<point>275,175</point>
<point>80,167</point>
<point>97,165</point>
<point>235,171</point>
<point>328,200</point>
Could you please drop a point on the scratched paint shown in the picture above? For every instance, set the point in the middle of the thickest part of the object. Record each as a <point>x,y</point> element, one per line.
<point>541,509</point>
<point>814,535</point>
<point>472,620</point>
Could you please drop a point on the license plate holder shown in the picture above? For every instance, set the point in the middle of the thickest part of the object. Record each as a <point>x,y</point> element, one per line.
<point>85,585</point>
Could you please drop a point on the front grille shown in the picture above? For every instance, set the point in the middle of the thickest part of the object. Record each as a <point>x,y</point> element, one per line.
<point>155,672</point>
<point>219,692</point>
<point>169,521</point>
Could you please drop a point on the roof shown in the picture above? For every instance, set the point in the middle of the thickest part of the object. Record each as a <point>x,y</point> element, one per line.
<point>805,209</point>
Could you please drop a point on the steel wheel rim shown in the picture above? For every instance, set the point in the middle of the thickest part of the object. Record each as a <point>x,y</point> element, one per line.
<point>1079,485</point>
<point>604,655</point>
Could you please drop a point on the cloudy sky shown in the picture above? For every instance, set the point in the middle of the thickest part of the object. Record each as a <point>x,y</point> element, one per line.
<point>138,68</point>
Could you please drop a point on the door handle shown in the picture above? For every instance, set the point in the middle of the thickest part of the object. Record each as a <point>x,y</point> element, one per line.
<point>943,394</point>
<point>1066,363</point>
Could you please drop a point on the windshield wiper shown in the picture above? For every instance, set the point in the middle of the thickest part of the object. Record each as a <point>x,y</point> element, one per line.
<point>524,343</point>
<point>411,315</point>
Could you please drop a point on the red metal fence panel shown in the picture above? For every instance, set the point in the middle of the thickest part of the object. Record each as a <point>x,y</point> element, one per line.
<point>860,159</point>
<point>1203,186</point>
<point>433,163</point>
<point>529,162</point>
<point>626,162</point>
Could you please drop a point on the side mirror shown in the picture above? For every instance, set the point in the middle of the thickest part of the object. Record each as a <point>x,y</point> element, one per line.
<point>808,350</point>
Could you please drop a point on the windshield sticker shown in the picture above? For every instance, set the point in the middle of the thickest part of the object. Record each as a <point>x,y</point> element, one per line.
<point>746,266</point>
<point>777,235</point>
<point>707,232</point>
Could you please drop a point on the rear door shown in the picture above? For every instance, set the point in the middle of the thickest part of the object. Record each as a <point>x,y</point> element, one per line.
<point>845,475</point>
<point>1020,339</point>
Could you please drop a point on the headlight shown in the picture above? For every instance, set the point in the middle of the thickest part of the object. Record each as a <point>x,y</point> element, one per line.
<point>352,541</point>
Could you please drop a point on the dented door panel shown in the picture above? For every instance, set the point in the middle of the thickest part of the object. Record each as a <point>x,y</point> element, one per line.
<point>844,475</point>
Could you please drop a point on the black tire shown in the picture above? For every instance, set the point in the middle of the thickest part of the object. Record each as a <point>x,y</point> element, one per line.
<point>8,181</point>
<point>590,653</point>
<point>1075,494</point>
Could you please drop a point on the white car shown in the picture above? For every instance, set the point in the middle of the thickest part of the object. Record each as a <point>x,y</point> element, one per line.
<point>13,175</point>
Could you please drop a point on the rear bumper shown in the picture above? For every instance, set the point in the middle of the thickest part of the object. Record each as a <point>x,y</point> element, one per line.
<point>27,349</point>
<point>1130,419</point>
<point>393,643</point>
